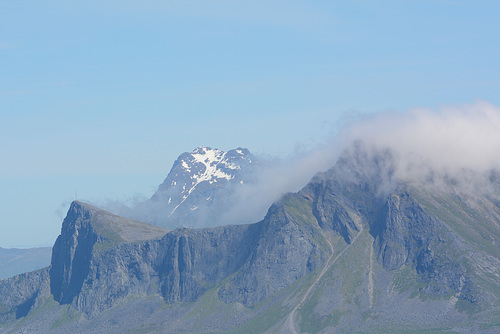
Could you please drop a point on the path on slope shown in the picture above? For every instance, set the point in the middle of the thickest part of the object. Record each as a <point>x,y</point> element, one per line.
<point>290,320</point>
<point>370,278</point>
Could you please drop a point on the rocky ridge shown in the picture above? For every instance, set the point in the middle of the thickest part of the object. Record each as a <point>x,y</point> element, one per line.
<point>354,250</point>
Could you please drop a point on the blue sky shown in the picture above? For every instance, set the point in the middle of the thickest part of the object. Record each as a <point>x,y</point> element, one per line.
<point>99,98</point>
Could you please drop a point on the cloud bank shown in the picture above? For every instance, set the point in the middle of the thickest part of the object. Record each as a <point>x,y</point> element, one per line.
<point>274,178</point>
<point>452,141</point>
<point>455,143</point>
<point>459,143</point>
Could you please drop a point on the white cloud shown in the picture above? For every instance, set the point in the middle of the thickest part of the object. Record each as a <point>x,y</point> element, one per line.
<point>449,141</point>
<point>459,142</point>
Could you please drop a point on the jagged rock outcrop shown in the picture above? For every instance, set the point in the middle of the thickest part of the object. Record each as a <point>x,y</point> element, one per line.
<point>94,266</point>
<point>181,266</point>
<point>85,232</point>
<point>408,235</point>
<point>362,185</point>
<point>286,250</point>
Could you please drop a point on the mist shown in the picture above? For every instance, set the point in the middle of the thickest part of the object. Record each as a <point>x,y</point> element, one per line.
<point>274,178</point>
<point>454,142</point>
<point>459,143</point>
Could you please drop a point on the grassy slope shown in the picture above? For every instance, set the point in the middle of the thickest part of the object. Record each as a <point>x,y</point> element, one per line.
<point>340,300</point>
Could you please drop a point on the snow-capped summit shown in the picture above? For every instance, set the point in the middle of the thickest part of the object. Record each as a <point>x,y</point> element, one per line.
<point>199,184</point>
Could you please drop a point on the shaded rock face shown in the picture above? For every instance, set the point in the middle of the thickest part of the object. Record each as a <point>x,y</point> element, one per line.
<point>408,235</point>
<point>362,186</point>
<point>180,266</point>
<point>100,259</point>
<point>405,231</point>
<point>72,253</point>
<point>352,189</point>
<point>21,293</point>
<point>284,252</point>
<point>196,260</point>
<point>265,257</point>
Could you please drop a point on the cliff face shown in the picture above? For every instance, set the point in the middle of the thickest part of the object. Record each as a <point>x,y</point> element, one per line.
<point>409,222</point>
<point>21,293</point>
<point>93,267</point>
<point>71,254</point>
<point>408,235</point>
<point>86,230</point>
<point>179,267</point>
<point>288,247</point>
<point>355,238</point>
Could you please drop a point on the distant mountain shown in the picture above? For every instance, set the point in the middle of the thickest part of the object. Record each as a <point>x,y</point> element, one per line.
<point>200,186</point>
<point>14,261</point>
<point>356,250</point>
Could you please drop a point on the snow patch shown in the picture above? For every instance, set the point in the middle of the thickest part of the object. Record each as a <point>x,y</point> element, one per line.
<point>186,166</point>
<point>232,166</point>
<point>211,159</point>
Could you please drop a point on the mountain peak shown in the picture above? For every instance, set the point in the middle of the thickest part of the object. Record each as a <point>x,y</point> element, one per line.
<point>108,225</point>
<point>205,150</point>
<point>198,181</point>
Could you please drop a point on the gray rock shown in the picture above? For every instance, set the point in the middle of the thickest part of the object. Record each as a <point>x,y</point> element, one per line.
<point>405,257</point>
<point>22,293</point>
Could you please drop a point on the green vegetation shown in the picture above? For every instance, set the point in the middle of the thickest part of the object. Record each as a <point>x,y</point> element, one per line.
<point>445,330</point>
<point>473,225</point>
<point>299,209</point>
<point>312,322</point>
<point>466,306</point>
<point>269,316</point>
<point>144,329</point>
<point>48,306</point>
<point>406,279</point>
<point>342,273</point>
<point>4,309</point>
<point>69,314</point>
<point>207,304</point>
<point>102,246</point>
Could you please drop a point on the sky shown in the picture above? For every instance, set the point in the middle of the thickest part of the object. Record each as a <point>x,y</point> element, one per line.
<point>98,98</point>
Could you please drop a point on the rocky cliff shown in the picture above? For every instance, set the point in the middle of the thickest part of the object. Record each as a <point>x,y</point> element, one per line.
<point>357,249</point>
<point>96,262</point>
<point>85,233</point>
<point>22,293</point>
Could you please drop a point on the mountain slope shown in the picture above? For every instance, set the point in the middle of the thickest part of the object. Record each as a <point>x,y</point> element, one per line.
<point>356,250</point>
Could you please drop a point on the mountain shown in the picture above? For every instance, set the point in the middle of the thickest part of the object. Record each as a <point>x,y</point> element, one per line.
<point>200,186</point>
<point>14,261</point>
<point>358,249</point>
